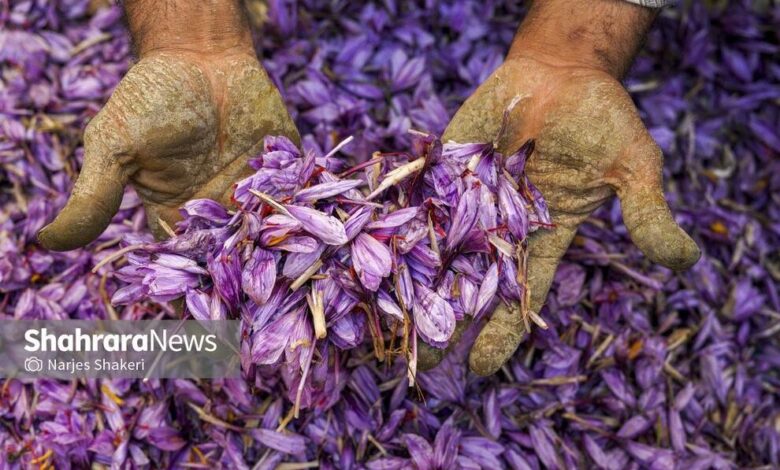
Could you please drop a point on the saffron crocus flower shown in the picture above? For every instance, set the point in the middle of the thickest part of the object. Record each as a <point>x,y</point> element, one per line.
<point>258,275</point>
<point>464,217</point>
<point>225,267</point>
<point>513,209</point>
<point>326,190</point>
<point>270,342</point>
<point>325,227</point>
<point>371,260</point>
<point>708,316</point>
<point>434,316</point>
<point>208,211</point>
<point>198,304</point>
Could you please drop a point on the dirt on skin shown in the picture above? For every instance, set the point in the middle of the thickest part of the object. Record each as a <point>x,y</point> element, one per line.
<point>177,127</point>
<point>590,145</point>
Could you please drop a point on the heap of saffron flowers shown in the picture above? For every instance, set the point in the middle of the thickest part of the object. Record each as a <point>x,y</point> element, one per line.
<point>639,368</point>
<point>400,246</point>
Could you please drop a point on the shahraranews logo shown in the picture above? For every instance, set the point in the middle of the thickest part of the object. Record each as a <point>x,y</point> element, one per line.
<point>40,340</point>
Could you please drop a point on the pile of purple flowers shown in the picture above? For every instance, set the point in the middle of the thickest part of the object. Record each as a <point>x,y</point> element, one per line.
<point>307,255</point>
<point>639,368</point>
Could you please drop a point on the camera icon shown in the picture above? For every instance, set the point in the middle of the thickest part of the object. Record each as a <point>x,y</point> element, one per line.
<point>33,364</point>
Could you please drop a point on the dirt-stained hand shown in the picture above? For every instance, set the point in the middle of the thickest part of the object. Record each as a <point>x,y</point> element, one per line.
<point>590,145</point>
<point>180,125</point>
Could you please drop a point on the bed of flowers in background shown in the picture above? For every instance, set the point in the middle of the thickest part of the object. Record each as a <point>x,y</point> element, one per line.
<point>640,368</point>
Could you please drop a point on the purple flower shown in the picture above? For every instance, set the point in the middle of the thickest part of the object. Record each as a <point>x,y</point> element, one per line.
<point>376,72</point>
<point>325,227</point>
<point>464,217</point>
<point>513,211</point>
<point>372,261</point>
<point>433,315</point>
<point>258,275</point>
<point>198,304</point>
<point>270,342</point>
<point>326,190</point>
<point>288,443</point>
<point>225,267</point>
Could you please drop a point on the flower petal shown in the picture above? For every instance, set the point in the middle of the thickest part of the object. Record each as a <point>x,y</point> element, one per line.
<point>371,259</point>
<point>259,275</point>
<point>325,227</point>
<point>433,316</point>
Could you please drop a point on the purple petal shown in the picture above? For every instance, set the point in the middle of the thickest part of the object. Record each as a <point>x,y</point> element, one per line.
<point>259,275</point>
<point>513,208</point>
<point>433,316</point>
<point>287,442</point>
<point>464,217</point>
<point>198,304</point>
<point>487,290</point>
<point>326,190</point>
<point>325,227</point>
<point>270,342</point>
<point>394,219</point>
<point>226,271</point>
<point>371,259</point>
<point>300,244</point>
<point>207,209</point>
<point>468,294</point>
<point>420,451</point>
<point>515,163</point>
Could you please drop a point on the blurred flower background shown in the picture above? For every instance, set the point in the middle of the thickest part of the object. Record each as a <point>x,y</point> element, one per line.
<point>641,367</point>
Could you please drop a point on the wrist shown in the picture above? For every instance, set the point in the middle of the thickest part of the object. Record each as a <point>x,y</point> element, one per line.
<point>204,28</point>
<point>603,35</point>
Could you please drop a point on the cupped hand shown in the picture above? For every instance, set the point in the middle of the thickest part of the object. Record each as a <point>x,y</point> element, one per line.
<point>590,145</point>
<point>180,125</point>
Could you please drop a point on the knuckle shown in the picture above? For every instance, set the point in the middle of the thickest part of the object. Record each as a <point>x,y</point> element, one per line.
<point>93,129</point>
<point>94,124</point>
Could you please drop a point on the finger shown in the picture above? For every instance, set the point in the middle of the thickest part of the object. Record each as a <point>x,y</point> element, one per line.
<point>429,357</point>
<point>95,199</point>
<point>545,250</point>
<point>505,330</point>
<point>498,340</point>
<point>649,220</point>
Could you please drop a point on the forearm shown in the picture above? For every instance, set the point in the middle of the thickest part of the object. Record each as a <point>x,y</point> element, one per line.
<point>602,34</point>
<point>203,27</point>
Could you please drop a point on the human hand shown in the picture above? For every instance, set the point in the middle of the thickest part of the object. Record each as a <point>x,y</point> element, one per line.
<point>590,144</point>
<point>180,125</point>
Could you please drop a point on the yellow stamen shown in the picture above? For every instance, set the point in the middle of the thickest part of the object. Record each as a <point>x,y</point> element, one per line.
<point>200,455</point>
<point>43,457</point>
<point>719,228</point>
<point>300,342</point>
<point>113,396</point>
<point>635,349</point>
<point>276,240</point>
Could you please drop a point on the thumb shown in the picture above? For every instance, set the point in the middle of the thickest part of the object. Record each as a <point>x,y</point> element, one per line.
<point>429,357</point>
<point>506,329</point>
<point>95,199</point>
<point>650,222</point>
